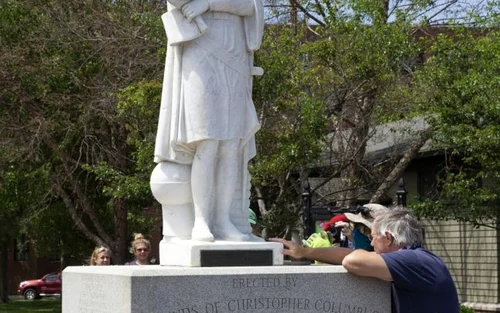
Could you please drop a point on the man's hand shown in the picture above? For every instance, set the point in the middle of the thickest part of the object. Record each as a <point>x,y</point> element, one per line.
<point>194,8</point>
<point>293,249</point>
<point>324,255</point>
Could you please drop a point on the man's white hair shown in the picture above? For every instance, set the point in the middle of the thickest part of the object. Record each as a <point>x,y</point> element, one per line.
<point>401,224</point>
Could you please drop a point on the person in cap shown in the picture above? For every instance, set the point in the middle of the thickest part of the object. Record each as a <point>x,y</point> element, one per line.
<point>354,228</point>
<point>420,281</point>
<point>348,230</point>
<point>252,219</point>
<point>333,221</point>
<point>359,225</point>
<point>335,226</point>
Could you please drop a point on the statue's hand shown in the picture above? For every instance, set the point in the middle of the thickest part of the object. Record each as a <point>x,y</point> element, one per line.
<point>194,8</point>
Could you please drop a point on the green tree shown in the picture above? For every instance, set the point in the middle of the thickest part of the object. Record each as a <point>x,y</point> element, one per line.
<point>63,66</point>
<point>349,64</point>
<point>462,80</point>
<point>293,124</point>
<point>20,189</point>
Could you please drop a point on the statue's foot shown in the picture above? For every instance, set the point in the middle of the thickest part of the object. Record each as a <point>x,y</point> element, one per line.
<point>225,230</point>
<point>201,232</point>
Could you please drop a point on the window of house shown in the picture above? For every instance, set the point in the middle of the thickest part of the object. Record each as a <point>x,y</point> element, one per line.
<point>428,185</point>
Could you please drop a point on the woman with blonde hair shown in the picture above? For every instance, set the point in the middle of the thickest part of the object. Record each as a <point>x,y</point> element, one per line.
<point>100,256</point>
<point>140,248</point>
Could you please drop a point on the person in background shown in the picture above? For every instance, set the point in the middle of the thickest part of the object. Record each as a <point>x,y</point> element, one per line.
<point>336,226</point>
<point>140,248</point>
<point>100,256</point>
<point>252,219</point>
<point>355,227</point>
<point>359,227</point>
<point>420,280</point>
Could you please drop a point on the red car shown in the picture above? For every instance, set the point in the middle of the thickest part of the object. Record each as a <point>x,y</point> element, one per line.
<point>48,285</point>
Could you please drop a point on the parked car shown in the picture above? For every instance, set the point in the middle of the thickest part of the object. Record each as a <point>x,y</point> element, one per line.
<point>48,285</point>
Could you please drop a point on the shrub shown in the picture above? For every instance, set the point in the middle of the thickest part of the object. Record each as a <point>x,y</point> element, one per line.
<point>465,309</point>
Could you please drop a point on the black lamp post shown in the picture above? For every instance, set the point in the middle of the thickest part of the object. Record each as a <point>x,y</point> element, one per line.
<point>307,217</point>
<point>401,192</point>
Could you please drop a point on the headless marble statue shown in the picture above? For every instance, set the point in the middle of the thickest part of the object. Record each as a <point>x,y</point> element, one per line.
<point>207,120</point>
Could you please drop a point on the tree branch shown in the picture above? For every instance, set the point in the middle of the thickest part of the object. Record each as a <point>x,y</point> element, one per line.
<point>306,13</point>
<point>402,165</point>
<point>86,206</point>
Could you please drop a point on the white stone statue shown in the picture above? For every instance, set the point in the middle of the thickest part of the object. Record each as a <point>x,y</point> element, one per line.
<point>207,119</point>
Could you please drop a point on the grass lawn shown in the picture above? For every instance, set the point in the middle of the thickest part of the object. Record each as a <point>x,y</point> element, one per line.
<point>50,305</point>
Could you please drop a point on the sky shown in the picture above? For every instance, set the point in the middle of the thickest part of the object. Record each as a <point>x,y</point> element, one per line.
<point>442,12</point>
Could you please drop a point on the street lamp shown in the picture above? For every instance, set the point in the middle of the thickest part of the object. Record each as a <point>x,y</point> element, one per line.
<point>401,192</point>
<point>306,217</point>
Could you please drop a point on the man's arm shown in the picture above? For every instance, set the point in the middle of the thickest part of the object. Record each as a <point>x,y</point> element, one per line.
<point>364,263</point>
<point>359,262</point>
<point>323,255</point>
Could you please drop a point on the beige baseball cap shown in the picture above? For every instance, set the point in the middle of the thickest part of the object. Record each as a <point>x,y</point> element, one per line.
<point>366,218</point>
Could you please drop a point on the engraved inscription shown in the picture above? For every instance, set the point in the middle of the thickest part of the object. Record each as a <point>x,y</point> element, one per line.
<point>272,304</point>
<point>237,305</point>
<point>264,282</point>
<point>269,304</point>
<point>285,293</point>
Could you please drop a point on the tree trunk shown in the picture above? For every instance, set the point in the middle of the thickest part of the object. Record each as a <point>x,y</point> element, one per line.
<point>293,15</point>
<point>385,11</point>
<point>121,242</point>
<point>4,287</point>
<point>260,201</point>
<point>355,147</point>
<point>398,170</point>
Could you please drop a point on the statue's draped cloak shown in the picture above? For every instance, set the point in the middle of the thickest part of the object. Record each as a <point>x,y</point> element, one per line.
<point>204,95</point>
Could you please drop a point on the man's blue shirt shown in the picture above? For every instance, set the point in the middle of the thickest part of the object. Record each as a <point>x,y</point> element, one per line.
<point>421,282</point>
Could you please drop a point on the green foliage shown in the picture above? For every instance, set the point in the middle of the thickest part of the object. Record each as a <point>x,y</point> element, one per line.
<point>21,189</point>
<point>462,80</point>
<point>50,232</point>
<point>464,309</point>
<point>140,119</point>
<point>293,124</point>
<point>316,82</point>
<point>353,60</point>
<point>26,205</point>
<point>64,69</point>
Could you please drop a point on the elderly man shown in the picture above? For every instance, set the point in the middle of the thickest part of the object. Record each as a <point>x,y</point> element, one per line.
<point>420,280</point>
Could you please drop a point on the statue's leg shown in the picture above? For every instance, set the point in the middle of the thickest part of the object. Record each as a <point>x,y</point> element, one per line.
<point>225,184</point>
<point>202,186</point>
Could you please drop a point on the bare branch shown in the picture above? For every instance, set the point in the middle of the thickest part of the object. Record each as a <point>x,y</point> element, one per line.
<point>402,164</point>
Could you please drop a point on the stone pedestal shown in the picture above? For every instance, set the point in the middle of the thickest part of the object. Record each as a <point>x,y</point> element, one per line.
<point>220,253</point>
<point>167,289</point>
